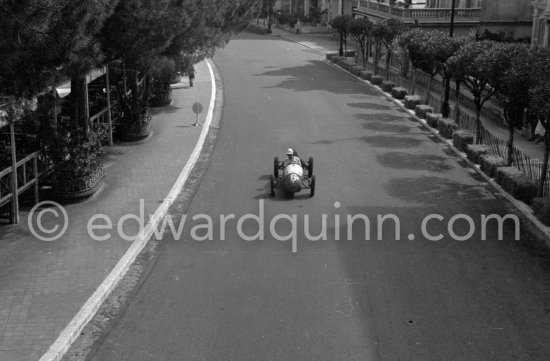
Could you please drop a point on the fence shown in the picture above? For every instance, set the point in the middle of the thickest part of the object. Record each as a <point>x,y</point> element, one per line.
<point>531,167</point>
<point>28,171</point>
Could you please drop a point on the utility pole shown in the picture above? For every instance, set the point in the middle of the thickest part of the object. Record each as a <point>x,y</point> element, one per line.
<point>445,107</point>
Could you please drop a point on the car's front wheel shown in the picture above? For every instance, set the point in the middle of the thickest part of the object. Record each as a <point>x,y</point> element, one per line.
<point>276,167</point>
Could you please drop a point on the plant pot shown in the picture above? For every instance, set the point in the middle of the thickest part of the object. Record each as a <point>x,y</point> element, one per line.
<point>138,134</point>
<point>78,188</point>
<point>161,100</point>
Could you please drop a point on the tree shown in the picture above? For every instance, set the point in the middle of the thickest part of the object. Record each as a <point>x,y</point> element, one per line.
<point>429,47</point>
<point>475,66</point>
<point>449,48</point>
<point>384,33</point>
<point>359,30</point>
<point>341,24</point>
<point>25,52</point>
<point>514,78</point>
<point>539,104</point>
<point>435,48</point>
<point>408,45</point>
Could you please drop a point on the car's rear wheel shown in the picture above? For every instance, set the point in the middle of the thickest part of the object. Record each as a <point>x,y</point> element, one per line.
<point>276,167</point>
<point>272,185</point>
<point>310,167</point>
<point>312,186</point>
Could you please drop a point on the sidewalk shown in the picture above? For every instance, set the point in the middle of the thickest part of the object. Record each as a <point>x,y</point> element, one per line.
<point>44,284</point>
<point>327,42</point>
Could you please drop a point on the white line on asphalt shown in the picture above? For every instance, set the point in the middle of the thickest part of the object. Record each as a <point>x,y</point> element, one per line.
<point>73,329</point>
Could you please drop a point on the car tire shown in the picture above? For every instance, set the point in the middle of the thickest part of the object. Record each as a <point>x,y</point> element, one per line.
<point>310,167</point>
<point>312,186</point>
<point>272,185</point>
<point>276,167</point>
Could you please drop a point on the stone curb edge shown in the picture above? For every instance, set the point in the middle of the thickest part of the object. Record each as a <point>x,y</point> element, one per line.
<point>71,332</point>
<point>520,206</point>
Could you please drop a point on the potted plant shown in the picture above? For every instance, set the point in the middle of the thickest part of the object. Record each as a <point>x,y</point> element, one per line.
<point>135,121</point>
<point>77,160</point>
<point>162,73</point>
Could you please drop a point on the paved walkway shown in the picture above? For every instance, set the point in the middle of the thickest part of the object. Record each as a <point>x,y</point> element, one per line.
<point>326,42</point>
<point>44,284</point>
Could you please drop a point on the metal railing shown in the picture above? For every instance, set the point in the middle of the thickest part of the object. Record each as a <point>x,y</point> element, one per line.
<point>421,15</point>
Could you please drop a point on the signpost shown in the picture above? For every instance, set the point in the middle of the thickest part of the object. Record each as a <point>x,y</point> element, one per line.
<point>197,109</point>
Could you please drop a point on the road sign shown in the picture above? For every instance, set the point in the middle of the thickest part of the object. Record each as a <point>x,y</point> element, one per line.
<point>197,108</point>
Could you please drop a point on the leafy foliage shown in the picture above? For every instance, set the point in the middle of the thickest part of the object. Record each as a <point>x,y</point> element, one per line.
<point>539,95</point>
<point>514,81</point>
<point>74,155</point>
<point>385,32</point>
<point>360,30</point>
<point>476,66</point>
<point>342,25</point>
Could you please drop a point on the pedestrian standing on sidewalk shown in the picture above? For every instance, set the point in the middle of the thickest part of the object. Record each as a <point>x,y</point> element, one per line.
<point>191,73</point>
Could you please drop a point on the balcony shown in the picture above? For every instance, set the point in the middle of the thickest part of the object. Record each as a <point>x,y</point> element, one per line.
<point>426,16</point>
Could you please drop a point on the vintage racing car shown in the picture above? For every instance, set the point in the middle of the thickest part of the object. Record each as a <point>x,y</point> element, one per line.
<point>290,175</point>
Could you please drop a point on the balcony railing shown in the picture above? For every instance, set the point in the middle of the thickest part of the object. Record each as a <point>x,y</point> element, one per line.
<point>426,15</point>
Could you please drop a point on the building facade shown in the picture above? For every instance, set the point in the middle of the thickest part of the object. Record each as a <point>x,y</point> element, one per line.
<point>541,23</point>
<point>503,18</point>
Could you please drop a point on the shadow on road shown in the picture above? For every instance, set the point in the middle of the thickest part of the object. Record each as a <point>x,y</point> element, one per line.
<point>311,77</point>
<point>425,162</point>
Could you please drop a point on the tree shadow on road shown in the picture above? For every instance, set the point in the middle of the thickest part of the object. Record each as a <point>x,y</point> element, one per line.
<point>387,127</point>
<point>385,117</point>
<point>424,162</point>
<point>432,190</point>
<point>317,75</point>
<point>391,141</point>
<point>371,106</point>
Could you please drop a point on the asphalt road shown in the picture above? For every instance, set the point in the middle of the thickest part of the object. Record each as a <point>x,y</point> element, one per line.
<point>344,298</point>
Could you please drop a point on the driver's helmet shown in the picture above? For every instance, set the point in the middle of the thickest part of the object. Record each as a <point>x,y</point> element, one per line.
<point>290,151</point>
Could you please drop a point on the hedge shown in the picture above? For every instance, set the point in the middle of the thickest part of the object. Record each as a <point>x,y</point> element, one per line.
<point>256,29</point>
<point>356,70</point>
<point>516,183</point>
<point>447,127</point>
<point>399,92</point>
<point>367,75</point>
<point>421,109</point>
<point>331,55</point>
<point>387,86</point>
<point>541,207</point>
<point>377,79</point>
<point>462,138</point>
<point>489,164</point>
<point>411,101</point>
<point>433,119</point>
<point>475,151</point>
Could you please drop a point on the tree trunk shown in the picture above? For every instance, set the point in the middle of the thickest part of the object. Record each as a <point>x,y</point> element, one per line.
<point>134,88</point>
<point>388,55</point>
<point>124,77</point>
<point>363,50</point>
<point>79,96</point>
<point>429,89</point>
<point>376,56</point>
<point>545,163</point>
<point>478,124</point>
<point>413,80</point>
<point>148,87</point>
<point>510,143</point>
<point>457,107</point>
